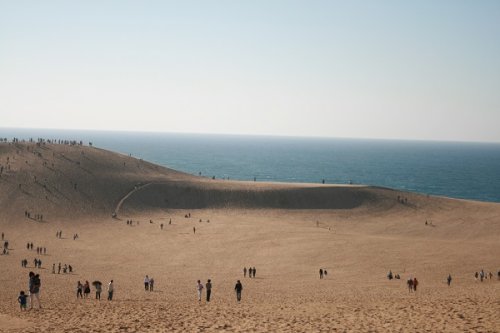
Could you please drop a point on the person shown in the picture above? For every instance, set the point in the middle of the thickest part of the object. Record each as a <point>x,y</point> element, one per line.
<point>476,275</point>
<point>151,284</point>
<point>86,289</point>
<point>321,273</point>
<point>415,284</point>
<point>448,280</point>
<point>98,289</point>
<point>481,275</point>
<point>389,275</point>
<point>199,288</point>
<point>59,269</point>
<point>490,275</point>
<point>238,288</point>
<point>79,290</point>
<point>54,268</point>
<point>22,299</point>
<point>325,273</point>
<point>410,284</point>
<point>111,289</point>
<point>146,283</point>
<point>194,230</point>
<point>34,287</point>
<point>244,272</point>
<point>254,271</point>
<point>208,286</point>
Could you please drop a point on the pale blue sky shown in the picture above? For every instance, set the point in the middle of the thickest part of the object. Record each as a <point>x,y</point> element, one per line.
<point>367,69</point>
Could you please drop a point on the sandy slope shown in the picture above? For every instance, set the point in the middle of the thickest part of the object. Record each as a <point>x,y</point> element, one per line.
<point>286,231</point>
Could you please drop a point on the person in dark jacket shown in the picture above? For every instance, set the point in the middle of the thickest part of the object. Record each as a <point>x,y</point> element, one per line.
<point>238,288</point>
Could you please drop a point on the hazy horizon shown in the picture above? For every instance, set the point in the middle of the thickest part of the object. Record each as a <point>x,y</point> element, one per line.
<point>427,70</point>
<point>13,129</point>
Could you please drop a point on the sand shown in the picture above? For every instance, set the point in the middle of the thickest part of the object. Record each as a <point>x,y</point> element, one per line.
<point>287,231</point>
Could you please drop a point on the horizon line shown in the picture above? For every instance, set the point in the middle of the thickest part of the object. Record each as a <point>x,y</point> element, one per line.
<point>249,135</point>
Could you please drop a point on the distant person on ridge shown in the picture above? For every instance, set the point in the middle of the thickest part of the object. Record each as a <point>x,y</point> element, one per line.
<point>321,273</point>
<point>244,272</point>
<point>448,280</point>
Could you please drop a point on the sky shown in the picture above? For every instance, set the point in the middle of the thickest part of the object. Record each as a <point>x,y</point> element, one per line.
<point>425,70</point>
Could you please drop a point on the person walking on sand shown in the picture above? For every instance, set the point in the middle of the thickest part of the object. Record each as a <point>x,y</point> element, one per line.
<point>86,289</point>
<point>79,290</point>
<point>194,230</point>
<point>320,273</point>
<point>34,287</point>
<point>238,288</point>
<point>199,289</point>
<point>415,284</point>
<point>448,280</point>
<point>244,272</point>
<point>111,289</point>
<point>254,271</point>
<point>410,284</point>
<point>208,286</point>
<point>151,284</point>
<point>98,289</point>
<point>146,283</point>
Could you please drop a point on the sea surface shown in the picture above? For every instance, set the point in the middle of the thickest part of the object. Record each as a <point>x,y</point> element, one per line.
<point>452,169</point>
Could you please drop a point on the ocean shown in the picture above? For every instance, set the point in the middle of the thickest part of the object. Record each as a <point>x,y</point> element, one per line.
<point>452,169</point>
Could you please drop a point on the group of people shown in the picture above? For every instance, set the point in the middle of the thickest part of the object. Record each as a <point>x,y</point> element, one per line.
<point>208,287</point>
<point>251,272</point>
<point>83,290</point>
<point>66,268</point>
<point>41,250</point>
<point>38,217</point>
<point>483,276</point>
<point>322,273</point>
<point>34,285</point>
<point>402,200</point>
<point>238,288</point>
<point>391,276</point>
<point>412,284</point>
<point>149,283</point>
<point>37,263</point>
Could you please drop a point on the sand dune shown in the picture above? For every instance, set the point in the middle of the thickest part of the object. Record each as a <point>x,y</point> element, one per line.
<point>287,231</point>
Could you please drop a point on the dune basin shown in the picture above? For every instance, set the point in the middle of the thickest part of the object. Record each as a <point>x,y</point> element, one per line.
<point>133,218</point>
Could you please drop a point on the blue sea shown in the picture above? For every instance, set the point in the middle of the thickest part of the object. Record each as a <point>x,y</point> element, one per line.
<point>453,169</point>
